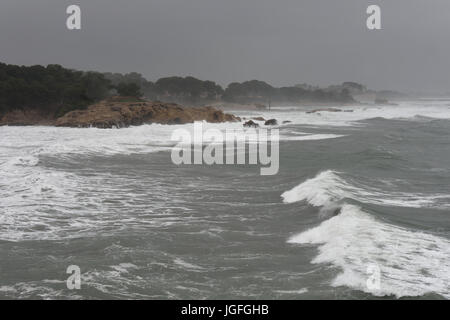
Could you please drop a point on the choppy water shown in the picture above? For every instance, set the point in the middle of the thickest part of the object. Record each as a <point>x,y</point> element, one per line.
<point>355,190</point>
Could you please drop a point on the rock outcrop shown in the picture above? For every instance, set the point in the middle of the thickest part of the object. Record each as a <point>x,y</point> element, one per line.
<point>111,113</point>
<point>259,119</point>
<point>251,124</point>
<point>25,117</point>
<point>271,122</point>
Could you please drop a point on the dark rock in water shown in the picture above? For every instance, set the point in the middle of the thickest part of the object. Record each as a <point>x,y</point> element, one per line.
<point>259,119</point>
<point>337,211</point>
<point>287,121</point>
<point>251,124</point>
<point>271,122</point>
<point>325,109</point>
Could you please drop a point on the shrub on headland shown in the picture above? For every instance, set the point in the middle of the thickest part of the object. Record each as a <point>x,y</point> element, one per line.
<point>53,90</point>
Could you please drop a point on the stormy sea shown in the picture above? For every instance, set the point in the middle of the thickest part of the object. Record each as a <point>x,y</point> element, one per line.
<point>360,209</point>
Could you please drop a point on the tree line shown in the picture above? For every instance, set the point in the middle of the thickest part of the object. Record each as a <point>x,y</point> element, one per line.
<point>52,89</point>
<point>189,90</point>
<point>55,90</point>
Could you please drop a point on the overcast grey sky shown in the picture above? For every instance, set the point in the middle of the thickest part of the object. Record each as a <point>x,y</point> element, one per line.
<point>280,41</point>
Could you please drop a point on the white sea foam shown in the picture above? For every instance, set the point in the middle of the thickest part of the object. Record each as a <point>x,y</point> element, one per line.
<point>353,115</point>
<point>328,187</point>
<point>38,203</point>
<point>411,263</point>
<point>311,137</point>
<point>42,203</point>
<point>44,289</point>
<point>124,267</point>
<point>295,292</point>
<point>321,190</point>
<point>20,145</point>
<point>187,265</point>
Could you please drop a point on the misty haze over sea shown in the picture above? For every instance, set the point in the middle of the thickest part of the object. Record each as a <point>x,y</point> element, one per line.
<point>320,42</point>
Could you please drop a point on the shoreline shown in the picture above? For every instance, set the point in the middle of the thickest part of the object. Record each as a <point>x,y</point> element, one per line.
<point>123,112</point>
<point>115,112</point>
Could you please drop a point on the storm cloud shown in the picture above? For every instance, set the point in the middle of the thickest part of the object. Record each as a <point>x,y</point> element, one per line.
<point>283,42</point>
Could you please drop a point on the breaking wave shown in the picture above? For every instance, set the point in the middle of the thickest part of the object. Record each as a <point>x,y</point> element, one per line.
<point>411,263</point>
<point>328,187</point>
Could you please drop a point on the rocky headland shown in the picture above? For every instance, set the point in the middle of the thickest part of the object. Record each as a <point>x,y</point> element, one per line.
<point>117,112</point>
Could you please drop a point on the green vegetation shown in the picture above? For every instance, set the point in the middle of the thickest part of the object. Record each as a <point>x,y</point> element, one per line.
<point>187,90</point>
<point>249,91</point>
<point>190,90</point>
<point>54,90</point>
<point>129,90</point>
<point>147,88</point>
<point>259,91</point>
<point>125,99</point>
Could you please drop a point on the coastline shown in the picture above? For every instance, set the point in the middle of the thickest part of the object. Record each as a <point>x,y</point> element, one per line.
<point>226,106</point>
<point>123,112</point>
<point>119,113</point>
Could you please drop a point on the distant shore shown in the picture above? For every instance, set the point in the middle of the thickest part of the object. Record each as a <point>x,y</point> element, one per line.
<point>264,107</point>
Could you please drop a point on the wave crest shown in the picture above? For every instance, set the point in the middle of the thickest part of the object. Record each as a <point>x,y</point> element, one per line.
<point>411,263</point>
<point>328,188</point>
